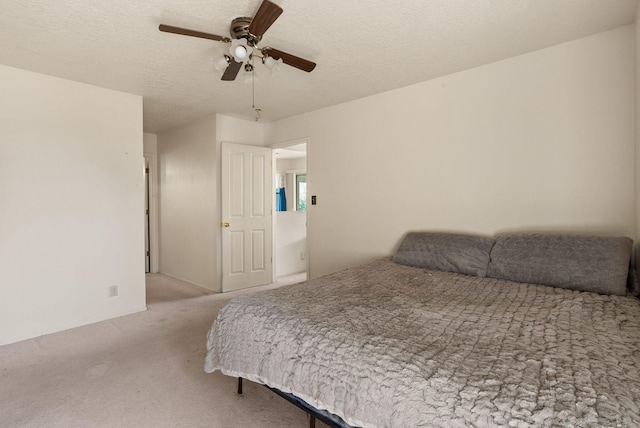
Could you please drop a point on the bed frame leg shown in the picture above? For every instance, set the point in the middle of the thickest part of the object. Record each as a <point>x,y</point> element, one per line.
<point>240,385</point>
<point>312,421</point>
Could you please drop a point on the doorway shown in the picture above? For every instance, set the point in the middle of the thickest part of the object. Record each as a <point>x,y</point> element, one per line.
<point>147,219</point>
<point>150,213</point>
<point>291,259</point>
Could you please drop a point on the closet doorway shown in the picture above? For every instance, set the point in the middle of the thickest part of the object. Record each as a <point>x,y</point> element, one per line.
<point>290,249</point>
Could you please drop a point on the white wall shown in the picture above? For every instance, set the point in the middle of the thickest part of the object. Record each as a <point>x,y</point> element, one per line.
<point>150,143</point>
<point>232,130</point>
<point>291,242</point>
<point>187,169</point>
<point>71,216</point>
<point>542,141</point>
<point>284,165</point>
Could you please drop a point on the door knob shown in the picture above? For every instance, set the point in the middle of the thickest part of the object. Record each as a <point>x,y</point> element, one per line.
<point>226,224</point>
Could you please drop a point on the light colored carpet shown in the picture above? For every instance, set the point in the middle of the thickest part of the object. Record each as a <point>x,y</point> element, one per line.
<point>140,370</point>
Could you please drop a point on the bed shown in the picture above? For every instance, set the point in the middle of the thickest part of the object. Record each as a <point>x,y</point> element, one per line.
<point>454,330</point>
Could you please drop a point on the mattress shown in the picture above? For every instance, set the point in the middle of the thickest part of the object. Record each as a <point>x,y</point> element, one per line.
<point>389,345</point>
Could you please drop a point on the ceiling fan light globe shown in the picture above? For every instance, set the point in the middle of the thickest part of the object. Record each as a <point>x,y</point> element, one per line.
<point>269,62</point>
<point>272,64</point>
<point>277,66</point>
<point>221,63</point>
<point>240,50</point>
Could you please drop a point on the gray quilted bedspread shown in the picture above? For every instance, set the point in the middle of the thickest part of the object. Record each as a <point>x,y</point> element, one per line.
<point>386,345</point>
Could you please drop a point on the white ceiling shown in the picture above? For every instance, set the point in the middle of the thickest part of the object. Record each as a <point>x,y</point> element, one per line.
<point>362,47</point>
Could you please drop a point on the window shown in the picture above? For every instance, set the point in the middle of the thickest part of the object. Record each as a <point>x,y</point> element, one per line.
<point>301,192</point>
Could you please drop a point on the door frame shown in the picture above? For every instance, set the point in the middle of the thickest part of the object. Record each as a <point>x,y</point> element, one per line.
<point>283,145</point>
<point>152,160</point>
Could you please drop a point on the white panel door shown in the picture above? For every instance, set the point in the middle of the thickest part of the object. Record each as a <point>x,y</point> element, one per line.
<point>246,216</point>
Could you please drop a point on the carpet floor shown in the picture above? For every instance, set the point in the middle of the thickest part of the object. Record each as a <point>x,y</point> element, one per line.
<point>139,370</point>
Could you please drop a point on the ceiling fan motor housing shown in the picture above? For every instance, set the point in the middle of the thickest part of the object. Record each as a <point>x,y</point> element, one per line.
<point>240,29</point>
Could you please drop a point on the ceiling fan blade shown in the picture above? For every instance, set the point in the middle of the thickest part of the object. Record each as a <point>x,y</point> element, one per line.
<point>289,59</point>
<point>265,16</point>
<point>192,33</point>
<point>232,70</point>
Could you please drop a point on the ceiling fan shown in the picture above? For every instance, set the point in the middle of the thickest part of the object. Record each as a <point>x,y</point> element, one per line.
<point>246,33</point>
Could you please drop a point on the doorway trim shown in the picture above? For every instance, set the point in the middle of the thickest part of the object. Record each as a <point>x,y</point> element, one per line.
<point>152,160</point>
<point>282,145</point>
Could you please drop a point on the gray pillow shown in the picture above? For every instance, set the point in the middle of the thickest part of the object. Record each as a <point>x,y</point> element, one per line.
<point>585,263</point>
<point>446,252</point>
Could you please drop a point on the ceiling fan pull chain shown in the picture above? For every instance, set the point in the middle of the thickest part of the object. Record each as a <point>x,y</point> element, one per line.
<point>253,93</point>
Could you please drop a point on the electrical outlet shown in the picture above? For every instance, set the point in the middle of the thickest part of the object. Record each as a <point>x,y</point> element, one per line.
<point>113,291</point>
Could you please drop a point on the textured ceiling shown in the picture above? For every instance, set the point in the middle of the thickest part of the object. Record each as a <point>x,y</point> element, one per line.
<point>362,47</point>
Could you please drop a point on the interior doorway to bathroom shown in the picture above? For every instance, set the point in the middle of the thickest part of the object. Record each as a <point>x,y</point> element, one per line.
<point>291,258</point>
